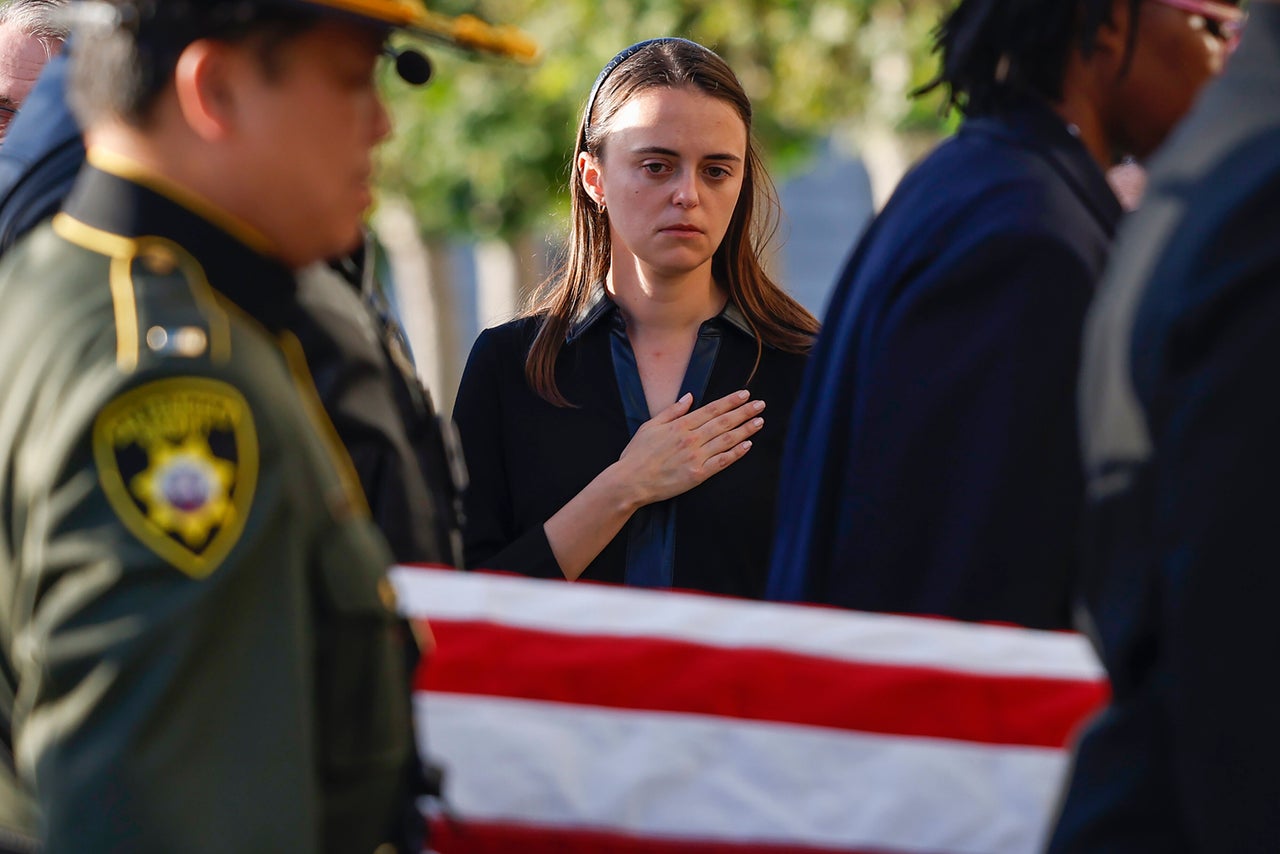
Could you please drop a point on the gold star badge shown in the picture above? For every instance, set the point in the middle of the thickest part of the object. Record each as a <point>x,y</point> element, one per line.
<point>186,489</point>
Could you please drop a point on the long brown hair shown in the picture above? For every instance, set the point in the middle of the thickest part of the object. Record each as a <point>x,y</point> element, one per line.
<point>776,319</point>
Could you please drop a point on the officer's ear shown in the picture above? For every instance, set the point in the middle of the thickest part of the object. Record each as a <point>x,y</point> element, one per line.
<point>203,82</point>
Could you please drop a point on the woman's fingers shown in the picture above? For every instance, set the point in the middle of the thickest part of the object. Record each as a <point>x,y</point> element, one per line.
<point>725,441</point>
<point>716,408</point>
<point>728,448</point>
<point>731,420</point>
<point>720,462</point>
<point>675,410</point>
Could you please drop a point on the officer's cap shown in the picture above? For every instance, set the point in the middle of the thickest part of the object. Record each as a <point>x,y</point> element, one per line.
<point>411,16</point>
<point>466,31</point>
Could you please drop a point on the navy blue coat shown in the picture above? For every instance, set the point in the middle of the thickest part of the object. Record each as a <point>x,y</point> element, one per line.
<point>932,464</point>
<point>1182,445</point>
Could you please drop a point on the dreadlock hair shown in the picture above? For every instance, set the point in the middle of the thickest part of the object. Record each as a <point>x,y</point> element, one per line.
<point>775,318</point>
<point>991,50</point>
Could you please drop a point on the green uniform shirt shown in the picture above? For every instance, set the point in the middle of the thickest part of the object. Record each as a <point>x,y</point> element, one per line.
<point>198,644</point>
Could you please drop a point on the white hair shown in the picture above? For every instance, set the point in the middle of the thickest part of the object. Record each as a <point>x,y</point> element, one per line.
<point>37,18</point>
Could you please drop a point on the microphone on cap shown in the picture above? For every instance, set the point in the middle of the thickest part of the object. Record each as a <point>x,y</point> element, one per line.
<point>413,66</point>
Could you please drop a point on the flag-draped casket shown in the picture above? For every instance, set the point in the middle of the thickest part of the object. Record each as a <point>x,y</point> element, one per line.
<point>588,718</point>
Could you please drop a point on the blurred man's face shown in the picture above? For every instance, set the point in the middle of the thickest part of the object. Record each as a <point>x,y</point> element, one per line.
<point>307,139</point>
<point>22,57</point>
<point>1175,53</point>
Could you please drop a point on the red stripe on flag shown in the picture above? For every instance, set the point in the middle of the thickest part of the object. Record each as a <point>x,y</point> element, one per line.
<point>472,837</point>
<point>658,674</point>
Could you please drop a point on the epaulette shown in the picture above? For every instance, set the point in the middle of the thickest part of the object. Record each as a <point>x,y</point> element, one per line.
<point>163,304</point>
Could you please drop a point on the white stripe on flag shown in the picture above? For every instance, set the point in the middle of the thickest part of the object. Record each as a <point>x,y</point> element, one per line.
<point>590,609</point>
<point>689,777</point>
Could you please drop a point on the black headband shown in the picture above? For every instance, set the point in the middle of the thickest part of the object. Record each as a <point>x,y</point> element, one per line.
<point>622,56</point>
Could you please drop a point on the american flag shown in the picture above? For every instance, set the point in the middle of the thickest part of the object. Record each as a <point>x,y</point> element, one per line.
<point>589,718</point>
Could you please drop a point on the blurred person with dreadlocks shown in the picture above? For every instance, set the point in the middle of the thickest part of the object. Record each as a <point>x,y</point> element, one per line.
<point>933,466</point>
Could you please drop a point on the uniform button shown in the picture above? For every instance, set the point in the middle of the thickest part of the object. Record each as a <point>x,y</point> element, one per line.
<point>189,341</point>
<point>159,260</point>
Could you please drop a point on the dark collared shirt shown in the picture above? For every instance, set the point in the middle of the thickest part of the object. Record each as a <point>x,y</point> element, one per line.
<point>528,458</point>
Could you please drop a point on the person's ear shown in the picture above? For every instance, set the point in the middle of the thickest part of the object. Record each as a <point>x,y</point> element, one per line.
<point>1112,37</point>
<point>202,80</point>
<point>590,175</point>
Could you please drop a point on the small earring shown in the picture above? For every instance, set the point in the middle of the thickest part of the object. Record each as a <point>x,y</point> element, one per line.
<point>602,205</point>
<point>1002,68</point>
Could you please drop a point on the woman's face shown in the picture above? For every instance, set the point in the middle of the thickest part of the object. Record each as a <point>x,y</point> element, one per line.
<point>670,173</point>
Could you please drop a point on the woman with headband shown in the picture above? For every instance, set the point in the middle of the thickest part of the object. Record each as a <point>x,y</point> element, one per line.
<point>617,431</point>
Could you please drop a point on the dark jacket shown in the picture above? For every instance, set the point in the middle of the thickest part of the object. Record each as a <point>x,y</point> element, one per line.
<point>527,457</point>
<point>403,452</point>
<point>932,464</point>
<point>200,649</point>
<point>1180,429</point>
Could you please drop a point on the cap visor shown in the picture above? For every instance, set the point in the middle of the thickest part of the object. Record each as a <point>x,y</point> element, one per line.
<point>464,31</point>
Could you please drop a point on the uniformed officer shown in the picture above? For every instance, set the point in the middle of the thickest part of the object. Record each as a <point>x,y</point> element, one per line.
<point>198,644</point>
<point>401,448</point>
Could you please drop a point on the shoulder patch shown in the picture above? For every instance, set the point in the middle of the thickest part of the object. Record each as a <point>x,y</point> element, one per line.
<point>178,461</point>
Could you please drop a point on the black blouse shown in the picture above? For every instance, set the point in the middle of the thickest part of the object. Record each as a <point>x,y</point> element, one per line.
<point>527,458</point>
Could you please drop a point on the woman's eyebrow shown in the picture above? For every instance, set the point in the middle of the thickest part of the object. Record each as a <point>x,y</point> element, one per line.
<point>658,149</point>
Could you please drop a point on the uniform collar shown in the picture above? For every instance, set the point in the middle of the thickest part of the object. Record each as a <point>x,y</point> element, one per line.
<point>143,205</point>
<point>600,306</point>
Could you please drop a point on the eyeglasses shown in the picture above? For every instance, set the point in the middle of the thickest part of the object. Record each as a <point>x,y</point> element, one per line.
<point>1222,20</point>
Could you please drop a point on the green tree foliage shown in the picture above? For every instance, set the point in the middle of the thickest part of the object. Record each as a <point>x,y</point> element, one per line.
<point>483,150</point>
